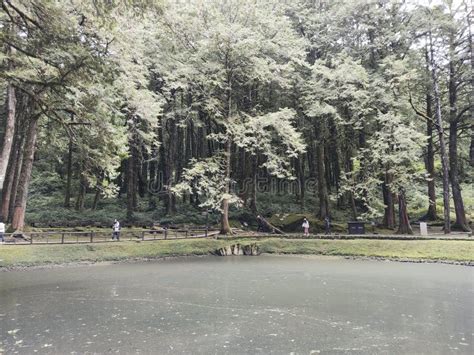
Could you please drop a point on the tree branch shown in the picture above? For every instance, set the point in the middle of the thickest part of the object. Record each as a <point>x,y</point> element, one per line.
<point>462,112</point>
<point>24,16</point>
<point>421,114</point>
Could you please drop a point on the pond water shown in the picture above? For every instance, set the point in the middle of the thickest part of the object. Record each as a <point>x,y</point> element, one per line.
<point>235,305</point>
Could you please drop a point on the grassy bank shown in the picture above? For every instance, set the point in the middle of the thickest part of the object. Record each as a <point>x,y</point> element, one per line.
<point>39,255</point>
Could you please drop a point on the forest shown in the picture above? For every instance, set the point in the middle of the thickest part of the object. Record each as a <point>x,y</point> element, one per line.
<point>165,111</point>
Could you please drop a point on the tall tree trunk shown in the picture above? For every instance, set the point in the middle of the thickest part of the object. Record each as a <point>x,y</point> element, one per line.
<point>18,220</point>
<point>253,197</point>
<point>132,168</point>
<point>362,141</point>
<point>67,194</point>
<point>389,202</point>
<point>353,206</point>
<point>131,187</point>
<point>11,176</point>
<point>122,178</point>
<point>202,148</point>
<point>95,202</point>
<point>8,136</point>
<point>471,79</point>
<point>300,163</point>
<point>142,173</point>
<point>322,184</point>
<point>153,178</point>
<point>311,160</point>
<point>431,214</point>
<point>16,175</point>
<point>9,133</point>
<point>225,226</point>
<point>348,168</point>
<point>332,150</point>
<point>8,183</point>
<point>81,195</point>
<point>471,149</point>
<point>461,221</point>
<point>24,113</point>
<point>404,226</point>
<point>163,172</point>
<point>442,144</point>
<point>245,174</point>
<point>171,163</point>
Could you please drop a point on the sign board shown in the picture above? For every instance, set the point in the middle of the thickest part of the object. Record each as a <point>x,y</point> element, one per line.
<point>423,229</point>
<point>356,227</point>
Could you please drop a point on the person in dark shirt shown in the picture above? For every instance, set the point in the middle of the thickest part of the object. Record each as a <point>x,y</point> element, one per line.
<point>327,225</point>
<point>260,224</point>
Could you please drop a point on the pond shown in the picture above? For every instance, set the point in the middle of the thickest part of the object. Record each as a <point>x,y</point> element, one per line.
<point>235,305</point>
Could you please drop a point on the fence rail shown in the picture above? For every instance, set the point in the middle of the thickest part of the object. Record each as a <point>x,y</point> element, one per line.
<point>67,237</point>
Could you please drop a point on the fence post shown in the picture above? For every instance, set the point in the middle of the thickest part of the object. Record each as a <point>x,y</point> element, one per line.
<point>166,233</point>
<point>143,235</point>
<point>186,235</point>
<point>62,238</point>
<point>206,232</point>
<point>31,239</point>
<point>92,237</point>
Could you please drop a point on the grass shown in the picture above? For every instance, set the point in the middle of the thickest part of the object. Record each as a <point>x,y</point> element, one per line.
<point>392,249</point>
<point>33,255</point>
<point>41,255</point>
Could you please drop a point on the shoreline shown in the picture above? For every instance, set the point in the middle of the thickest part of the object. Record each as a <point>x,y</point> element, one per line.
<point>17,258</point>
<point>77,264</point>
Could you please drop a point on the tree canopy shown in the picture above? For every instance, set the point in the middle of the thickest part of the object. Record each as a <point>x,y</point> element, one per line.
<point>350,109</point>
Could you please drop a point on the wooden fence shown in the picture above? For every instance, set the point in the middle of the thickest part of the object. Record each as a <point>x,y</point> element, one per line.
<point>94,236</point>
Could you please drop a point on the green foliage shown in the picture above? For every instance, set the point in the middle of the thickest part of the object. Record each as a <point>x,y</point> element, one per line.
<point>393,150</point>
<point>338,87</point>
<point>207,178</point>
<point>272,135</point>
<point>132,82</point>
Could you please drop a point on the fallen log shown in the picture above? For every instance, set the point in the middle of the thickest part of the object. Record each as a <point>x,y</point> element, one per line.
<point>267,226</point>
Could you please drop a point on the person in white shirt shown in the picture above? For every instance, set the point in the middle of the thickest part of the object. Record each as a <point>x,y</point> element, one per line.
<point>2,231</point>
<point>305,226</point>
<point>116,230</point>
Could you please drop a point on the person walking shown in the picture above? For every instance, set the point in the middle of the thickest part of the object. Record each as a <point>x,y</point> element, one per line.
<point>116,230</point>
<point>327,225</point>
<point>2,231</point>
<point>260,224</point>
<point>305,226</point>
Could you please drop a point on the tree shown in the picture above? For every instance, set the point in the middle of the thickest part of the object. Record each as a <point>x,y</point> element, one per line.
<point>228,49</point>
<point>459,76</point>
<point>59,66</point>
<point>337,92</point>
<point>393,149</point>
<point>171,107</point>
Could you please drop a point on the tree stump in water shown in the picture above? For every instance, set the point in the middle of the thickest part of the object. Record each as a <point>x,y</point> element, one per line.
<point>251,249</point>
<point>238,249</point>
